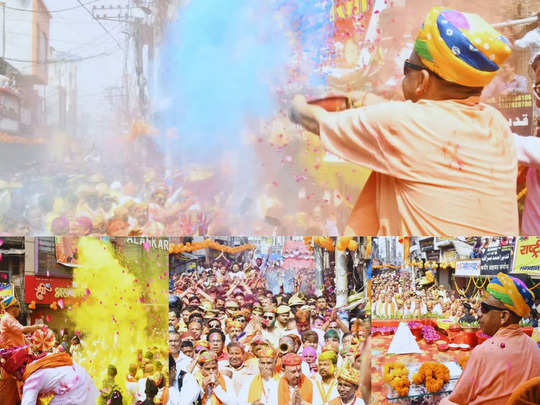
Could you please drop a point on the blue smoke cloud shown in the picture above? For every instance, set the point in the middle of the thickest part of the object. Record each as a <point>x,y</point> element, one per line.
<point>223,61</point>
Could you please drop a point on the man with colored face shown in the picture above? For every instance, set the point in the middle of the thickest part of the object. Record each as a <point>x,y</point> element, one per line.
<point>442,162</point>
<point>262,388</point>
<point>269,331</point>
<point>506,360</point>
<point>327,383</point>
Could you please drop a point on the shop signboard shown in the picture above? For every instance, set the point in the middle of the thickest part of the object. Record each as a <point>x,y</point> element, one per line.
<point>518,110</point>
<point>468,268</point>
<point>527,256</point>
<point>46,290</point>
<point>496,259</point>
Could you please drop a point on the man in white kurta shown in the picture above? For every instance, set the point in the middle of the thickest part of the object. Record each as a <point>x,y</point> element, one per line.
<point>261,388</point>
<point>348,382</point>
<point>325,380</point>
<point>215,386</point>
<point>71,385</point>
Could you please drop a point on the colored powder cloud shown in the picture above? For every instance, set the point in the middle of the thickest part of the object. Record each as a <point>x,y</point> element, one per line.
<point>224,66</point>
<point>124,310</point>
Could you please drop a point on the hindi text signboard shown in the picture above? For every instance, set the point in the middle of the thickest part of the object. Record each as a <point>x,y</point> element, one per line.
<point>527,256</point>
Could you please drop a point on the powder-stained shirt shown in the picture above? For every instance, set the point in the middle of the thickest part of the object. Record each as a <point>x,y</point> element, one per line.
<point>439,167</point>
<point>496,368</point>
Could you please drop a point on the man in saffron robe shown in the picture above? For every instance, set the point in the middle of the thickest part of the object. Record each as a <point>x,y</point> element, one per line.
<point>506,360</point>
<point>442,162</point>
<point>11,335</point>
<point>294,388</point>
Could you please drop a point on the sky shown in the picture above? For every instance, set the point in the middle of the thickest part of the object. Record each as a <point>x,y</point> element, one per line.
<point>76,32</point>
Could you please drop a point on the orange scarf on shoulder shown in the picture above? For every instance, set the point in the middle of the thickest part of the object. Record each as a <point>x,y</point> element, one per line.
<point>337,401</point>
<point>306,390</point>
<point>214,400</point>
<point>50,361</point>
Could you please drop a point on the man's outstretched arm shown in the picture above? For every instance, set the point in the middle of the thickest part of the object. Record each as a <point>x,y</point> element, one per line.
<point>307,115</point>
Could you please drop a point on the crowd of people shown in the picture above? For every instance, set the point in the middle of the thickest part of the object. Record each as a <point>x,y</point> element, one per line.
<point>395,297</point>
<point>232,341</point>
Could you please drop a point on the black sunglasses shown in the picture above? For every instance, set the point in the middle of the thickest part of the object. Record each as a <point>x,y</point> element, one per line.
<point>268,317</point>
<point>408,66</point>
<point>485,308</point>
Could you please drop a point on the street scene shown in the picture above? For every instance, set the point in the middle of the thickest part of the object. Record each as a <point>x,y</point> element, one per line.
<point>434,329</point>
<point>275,320</point>
<point>178,117</point>
<point>83,320</point>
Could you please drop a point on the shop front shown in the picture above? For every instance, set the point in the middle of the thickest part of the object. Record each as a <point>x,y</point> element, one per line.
<point>49,299</point>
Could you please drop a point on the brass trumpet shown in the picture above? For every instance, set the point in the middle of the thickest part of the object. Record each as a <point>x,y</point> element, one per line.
<point>284,348</point>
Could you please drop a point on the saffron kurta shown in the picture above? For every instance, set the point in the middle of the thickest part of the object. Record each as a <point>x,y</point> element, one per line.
<point>439,167</point>
<point>11,335</point>
<point>496,368</point>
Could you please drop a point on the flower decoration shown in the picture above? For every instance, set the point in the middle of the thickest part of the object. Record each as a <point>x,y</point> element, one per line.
<point>208,244</point>
<point>434,375</point>
<point>397,375</point>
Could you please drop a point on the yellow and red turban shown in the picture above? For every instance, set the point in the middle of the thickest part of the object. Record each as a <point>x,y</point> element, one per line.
<point>9,302</point>
<point>349,374</point>
<point>202,343</point>
<point>234,324</point>
<point>513,293</point>
<point>206,357</point>
<point>461,47</point>
<point>267,353</point>
<point>42,340</point>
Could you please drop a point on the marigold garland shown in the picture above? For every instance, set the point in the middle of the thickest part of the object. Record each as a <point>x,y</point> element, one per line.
<point>433,374</point>
<point>462,292</point>
<point>208,243</point>
<point>397,375</point>
<point>325,242</point>
<point>307,242</point>
<point>482,285</point>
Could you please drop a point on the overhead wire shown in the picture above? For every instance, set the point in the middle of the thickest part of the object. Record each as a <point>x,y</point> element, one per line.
<point>100,23</point>
<point>50,11</point>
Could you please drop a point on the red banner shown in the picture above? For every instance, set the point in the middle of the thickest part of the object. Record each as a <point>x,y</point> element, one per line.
<point>46,290</point>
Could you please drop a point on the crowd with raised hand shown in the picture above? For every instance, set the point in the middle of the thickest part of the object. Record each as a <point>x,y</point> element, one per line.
<point>233,341</point>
